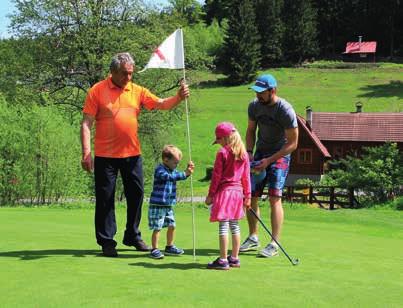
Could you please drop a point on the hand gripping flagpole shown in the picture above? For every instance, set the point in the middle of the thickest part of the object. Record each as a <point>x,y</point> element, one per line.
<point>190,156</point>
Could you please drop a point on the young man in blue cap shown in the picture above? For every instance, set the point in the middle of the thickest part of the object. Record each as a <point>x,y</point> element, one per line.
<point>275,122</point>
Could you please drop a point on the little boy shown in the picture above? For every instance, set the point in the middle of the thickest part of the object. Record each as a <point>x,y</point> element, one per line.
<point>163,198</point>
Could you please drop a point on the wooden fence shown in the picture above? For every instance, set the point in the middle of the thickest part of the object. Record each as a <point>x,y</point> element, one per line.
<point>325,196</point>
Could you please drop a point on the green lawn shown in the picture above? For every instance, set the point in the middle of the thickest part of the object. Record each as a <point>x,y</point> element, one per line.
<point>379,89</point>
<point>349,258</point>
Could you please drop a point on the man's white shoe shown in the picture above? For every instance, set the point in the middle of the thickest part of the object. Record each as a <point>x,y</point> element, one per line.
<point>249,244</point>
<point>269,251</point>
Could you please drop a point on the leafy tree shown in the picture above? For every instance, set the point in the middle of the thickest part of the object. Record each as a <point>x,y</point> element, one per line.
<point>300,38</point>
<point>73,43</point>
<point>202,56</point>
<point>241,53</point>
<point>190,10</point>
<point>271,30</point>
<point>379,172</point>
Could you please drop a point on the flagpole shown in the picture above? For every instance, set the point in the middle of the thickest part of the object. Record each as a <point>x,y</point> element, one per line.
<point>190,154</point>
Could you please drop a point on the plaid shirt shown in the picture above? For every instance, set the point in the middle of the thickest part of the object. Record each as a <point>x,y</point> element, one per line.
<point>164,187</point>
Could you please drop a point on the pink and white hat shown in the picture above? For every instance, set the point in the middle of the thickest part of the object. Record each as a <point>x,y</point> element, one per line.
<point>223,129</point>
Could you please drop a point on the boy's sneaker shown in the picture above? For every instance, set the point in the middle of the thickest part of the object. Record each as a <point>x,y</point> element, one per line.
<point>218,264</point>
<point>249,244</point>
<point>233,262</point>
<point>156,254</point>
<point>173,250</point>
<point>269,251</point>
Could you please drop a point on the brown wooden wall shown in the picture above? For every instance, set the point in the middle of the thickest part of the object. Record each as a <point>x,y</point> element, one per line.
<point>316,167</point>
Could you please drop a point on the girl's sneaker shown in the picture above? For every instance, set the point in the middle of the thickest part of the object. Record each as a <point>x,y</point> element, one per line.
<point>156,254</point>
<point>218,264</point>
<point>233,262</point>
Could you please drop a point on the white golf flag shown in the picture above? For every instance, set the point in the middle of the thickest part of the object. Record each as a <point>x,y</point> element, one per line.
<point>169,54</point>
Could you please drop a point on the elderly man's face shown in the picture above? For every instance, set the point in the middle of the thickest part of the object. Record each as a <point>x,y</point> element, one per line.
<point>266,97</point>
<point>123,75</point>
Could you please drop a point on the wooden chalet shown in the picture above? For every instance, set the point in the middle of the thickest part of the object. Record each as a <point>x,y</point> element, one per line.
<point>360,51</point>
<point>325,136</point>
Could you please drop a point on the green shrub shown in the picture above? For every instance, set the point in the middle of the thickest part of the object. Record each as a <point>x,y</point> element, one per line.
<point>39,156</point>
<point>398,202</point>
<point>305,182</point>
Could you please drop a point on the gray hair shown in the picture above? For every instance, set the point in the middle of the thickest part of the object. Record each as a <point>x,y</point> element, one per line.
<point>119,59</point>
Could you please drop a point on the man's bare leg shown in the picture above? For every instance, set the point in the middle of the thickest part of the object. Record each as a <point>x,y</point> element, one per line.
<point>276,216</point>
<point>252,241</point>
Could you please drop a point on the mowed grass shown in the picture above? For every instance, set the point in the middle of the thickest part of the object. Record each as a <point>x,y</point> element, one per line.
<point>379,89</point>
<point>349,258</point>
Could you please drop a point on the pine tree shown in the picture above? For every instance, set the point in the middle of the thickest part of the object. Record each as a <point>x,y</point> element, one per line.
<point>241,52</point>
<point>271,30</point>
<point>215,9</point>
<point>300,40</point>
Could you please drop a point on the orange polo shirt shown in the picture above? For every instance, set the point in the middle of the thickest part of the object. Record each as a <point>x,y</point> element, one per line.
<point>116,112</point>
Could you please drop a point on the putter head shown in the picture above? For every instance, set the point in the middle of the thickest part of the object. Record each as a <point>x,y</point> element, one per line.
<point>295,262</point>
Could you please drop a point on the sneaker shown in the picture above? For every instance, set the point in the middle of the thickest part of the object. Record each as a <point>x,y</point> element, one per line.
<point>109,251</point>
<point>269,251</point>
<point>156,254</point>
<point>249,244</point>
<point>140,245</point>
<point>218,264</point>
<point>173,250</point>
<point>233,262</point>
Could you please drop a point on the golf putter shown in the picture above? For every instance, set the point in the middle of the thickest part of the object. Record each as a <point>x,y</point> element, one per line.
<point>293,261</point>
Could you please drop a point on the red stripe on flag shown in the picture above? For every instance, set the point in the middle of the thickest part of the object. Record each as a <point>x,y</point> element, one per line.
<point>159,54</point>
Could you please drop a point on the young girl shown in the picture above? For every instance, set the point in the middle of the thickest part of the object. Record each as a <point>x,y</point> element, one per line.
<point>229,191</point>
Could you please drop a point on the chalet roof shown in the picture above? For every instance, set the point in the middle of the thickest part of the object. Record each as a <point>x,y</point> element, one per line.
<point>312,135</point>
<point>360,47</point>
<point>358,126</point>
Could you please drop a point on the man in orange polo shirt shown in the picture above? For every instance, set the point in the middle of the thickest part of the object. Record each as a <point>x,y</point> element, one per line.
<point>114,105</point>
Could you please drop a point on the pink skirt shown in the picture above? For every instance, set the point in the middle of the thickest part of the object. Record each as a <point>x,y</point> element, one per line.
<point>227,205</point>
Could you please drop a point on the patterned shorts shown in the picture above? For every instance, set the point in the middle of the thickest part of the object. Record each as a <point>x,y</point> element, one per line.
<point>160,217</point>
<point>276,174</point>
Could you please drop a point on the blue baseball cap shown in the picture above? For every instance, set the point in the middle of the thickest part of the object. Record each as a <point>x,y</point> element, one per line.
<point>264,82</point>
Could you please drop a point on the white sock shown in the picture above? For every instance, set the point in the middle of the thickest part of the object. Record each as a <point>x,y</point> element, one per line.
<point>273,243</point>
<point>254,238</point>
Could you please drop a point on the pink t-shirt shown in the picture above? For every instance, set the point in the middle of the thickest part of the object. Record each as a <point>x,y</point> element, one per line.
<point>229,172</point>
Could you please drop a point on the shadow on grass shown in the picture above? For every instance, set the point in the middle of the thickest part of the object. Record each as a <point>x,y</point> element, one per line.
<point>393,88</point>
<point>27,255</point>
<point>220,82</point>
<point>178,266</point>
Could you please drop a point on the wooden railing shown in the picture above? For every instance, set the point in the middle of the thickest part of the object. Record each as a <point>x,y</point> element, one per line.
<point>325,196</point>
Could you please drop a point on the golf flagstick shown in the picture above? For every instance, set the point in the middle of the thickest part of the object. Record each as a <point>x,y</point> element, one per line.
<point>293,261</point>
<point>190,156</point>
<point>171,55</point>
